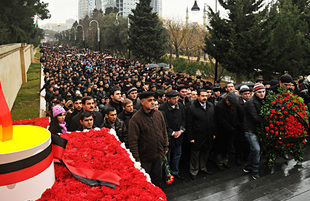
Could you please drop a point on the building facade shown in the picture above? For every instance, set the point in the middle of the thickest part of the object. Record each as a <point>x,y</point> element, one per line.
<point>86,7</point>
<point>125,6</point>
<point>157,7</point>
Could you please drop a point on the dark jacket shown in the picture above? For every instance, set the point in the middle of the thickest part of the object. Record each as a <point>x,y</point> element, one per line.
<point>75,122</point>
<point>147,135</point>
<point>241,104</point>
<point>175,120</point>
<point>136,104</point>
<point>227,118</point>
<point>117,106</point>
<point>201,125</point>
<point>120,129</point>
<point>186,102</point>
<point>54,127</point>
<point>48,96</point>
<point>70,116</point>
<point>252,119</point>
<point>228,123</point>
<point>125,118</point>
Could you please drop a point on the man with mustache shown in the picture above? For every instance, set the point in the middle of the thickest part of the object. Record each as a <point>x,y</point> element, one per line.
<point>87,105</point>
<point>201,132</point>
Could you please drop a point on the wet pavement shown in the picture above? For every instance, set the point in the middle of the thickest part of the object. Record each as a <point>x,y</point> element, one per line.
<point>290,181</point>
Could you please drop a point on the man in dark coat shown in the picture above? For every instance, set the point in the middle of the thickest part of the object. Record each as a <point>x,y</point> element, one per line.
<point>133,96</point>
<point>201,130</point>
<point>88,105</point>
<point>183,99</point>
<point>147,137</point>
<point>77,105</point>
<point>111,121</point>
<point>228,122</point>
<point>115,100</point>
<point>174,114</point>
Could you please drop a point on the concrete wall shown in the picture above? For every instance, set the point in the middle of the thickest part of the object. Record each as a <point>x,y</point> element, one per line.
<point>15,60</point>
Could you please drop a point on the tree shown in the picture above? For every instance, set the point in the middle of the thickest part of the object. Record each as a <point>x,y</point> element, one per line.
<point>237,42</point>
<point>289,46</point>
<point>17,20</point>
<point>177,31</point>
<point>109,10</point>
<point>115,37</point>
<point>147,36</point>
<point>193,41</point>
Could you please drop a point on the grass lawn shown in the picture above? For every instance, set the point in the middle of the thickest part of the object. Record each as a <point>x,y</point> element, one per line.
<point>26,105</point>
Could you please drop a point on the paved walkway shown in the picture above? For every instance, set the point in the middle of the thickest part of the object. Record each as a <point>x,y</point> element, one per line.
<point>288,182</point>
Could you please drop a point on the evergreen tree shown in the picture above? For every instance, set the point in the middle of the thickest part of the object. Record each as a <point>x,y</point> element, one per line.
<point>147,37</point>
<point>289,46</point>
<point>17,20</point>
<point>237,42</point>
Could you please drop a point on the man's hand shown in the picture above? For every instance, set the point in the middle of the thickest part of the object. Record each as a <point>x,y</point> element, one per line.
<point>177,134</point>
<point>166,152</point>
<point>214,137</point>
<point>192,141</point>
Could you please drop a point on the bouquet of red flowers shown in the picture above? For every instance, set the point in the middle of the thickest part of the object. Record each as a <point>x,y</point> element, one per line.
<point>169,177</point>
<point>284,131</point>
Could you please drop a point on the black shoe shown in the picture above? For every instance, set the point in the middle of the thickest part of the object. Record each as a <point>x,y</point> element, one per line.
<point>226,166</point>
<point>193,177</point>
<point>220,167</point>
<point>207,172</point>
<point>179,177</point>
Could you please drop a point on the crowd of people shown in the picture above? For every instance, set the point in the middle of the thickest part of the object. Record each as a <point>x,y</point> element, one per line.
<point>156,111</point>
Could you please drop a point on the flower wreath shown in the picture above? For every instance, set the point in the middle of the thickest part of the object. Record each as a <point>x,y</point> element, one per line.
<point>284,130</point>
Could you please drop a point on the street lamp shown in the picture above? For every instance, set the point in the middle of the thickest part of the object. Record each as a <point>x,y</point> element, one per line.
<point>98,31</point>
<point>74,32</point>
<point>79,25</point>
<point>195,9</point>
<point>117,22</point>
<point>59,33</point>
<point>128,25</point>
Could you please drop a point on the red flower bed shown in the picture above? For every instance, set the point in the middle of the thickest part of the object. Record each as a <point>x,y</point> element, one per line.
<point>99,150</point>
<point>42,122</point>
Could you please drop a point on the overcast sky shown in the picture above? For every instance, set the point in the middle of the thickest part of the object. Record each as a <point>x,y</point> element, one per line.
<point>61,10</point>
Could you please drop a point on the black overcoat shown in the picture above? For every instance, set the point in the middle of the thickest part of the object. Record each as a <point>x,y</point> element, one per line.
<point>175,120</point>
<point>201,125</point>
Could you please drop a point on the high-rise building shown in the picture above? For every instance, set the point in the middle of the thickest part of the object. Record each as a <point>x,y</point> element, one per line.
<point>157,6</point>
<point>127,5</point>
<point>86,7</point>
